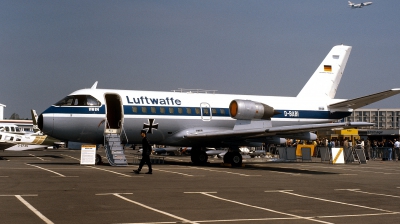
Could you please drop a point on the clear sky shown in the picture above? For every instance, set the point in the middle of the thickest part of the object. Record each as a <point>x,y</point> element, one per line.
<point>52,48</point>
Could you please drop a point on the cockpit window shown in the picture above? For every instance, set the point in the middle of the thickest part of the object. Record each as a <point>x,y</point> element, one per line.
<point>78,100</point>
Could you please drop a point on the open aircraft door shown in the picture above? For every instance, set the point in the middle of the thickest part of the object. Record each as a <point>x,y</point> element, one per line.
<point>205,110</point>
<point>114,113</point>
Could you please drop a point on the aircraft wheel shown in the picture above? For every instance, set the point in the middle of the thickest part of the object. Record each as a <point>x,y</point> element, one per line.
<point>228,157</point>
<point>194,157</point>
<point>98,159</point>
<point>236,159</point>
<point>199,157</point>
<point>202,157</point>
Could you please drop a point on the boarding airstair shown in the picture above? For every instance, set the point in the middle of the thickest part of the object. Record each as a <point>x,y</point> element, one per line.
<point>113,145</point>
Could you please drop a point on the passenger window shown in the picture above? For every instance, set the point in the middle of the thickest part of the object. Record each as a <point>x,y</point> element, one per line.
<point>134,110</point>
<point>153,110</point>
<point>214,111</point>
<point>206,111</point>
<point>222,111</point>
<point>188,110</point>
<point>171,110</point>
<point>7,128</point>
<point>144,110</point>
<point>162,110</point>
<point>180,110</point>
<point>197,110</point>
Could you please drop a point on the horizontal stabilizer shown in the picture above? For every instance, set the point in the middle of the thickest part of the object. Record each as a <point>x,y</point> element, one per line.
<point>365,100</point>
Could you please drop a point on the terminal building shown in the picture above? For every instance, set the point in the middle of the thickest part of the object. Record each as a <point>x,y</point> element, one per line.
<point>23,125</point>
<point>386,123</point>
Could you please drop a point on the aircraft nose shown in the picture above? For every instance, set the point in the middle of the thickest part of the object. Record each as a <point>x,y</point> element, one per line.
<point>45,125</point>
<point>40,122</point>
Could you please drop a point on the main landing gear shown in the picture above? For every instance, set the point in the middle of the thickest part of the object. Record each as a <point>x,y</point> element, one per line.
<point>200,157</point>
<point>233,157</point>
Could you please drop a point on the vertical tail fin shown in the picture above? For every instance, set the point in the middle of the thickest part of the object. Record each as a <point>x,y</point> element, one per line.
<point>34,121</point>
<point>325,80</point>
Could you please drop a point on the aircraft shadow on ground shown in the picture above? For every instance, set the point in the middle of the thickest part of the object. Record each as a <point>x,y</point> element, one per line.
<point>252,167</point>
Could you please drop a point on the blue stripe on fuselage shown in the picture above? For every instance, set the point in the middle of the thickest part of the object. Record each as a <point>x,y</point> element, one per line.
<point>192,111</point>
<point>75,110</point>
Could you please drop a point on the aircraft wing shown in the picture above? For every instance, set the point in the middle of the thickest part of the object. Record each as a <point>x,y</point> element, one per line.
<point>19,147</point>
<point>365,100</point>
<point>281,130</point>
<point>5,145</point>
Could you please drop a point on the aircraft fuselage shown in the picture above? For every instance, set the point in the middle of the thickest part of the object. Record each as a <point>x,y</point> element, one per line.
<point>166,116</point>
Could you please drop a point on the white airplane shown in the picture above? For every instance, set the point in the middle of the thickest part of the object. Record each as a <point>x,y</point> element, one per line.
<point>360,5</point>
<point>201,120</point>
<point>12,139</point>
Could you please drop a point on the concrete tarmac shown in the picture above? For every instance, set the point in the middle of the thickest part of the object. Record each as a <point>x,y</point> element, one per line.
<point>50,186</point>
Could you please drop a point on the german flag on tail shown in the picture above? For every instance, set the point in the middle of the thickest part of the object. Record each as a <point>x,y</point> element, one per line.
<point>327,68</point>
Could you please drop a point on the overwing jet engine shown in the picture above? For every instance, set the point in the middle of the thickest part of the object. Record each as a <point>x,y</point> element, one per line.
<point>249,110</point>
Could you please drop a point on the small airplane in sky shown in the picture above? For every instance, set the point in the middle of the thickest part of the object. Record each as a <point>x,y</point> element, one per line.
<point>201,120</point>
<point>359,5</point>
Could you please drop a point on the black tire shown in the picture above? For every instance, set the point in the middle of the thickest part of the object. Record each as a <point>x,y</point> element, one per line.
<point>228,157</point>
<point>199,157</point>
<point>98,159</point>
<point>202,158</point>
<point>194,157</point>
<point>236,159</point>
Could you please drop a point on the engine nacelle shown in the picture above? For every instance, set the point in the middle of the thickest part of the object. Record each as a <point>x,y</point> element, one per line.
<point>308,136</point>
<point>249,110</point>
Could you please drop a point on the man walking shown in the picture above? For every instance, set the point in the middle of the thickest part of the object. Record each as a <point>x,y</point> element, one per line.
<point>396,149</point>
<point>146,151</point>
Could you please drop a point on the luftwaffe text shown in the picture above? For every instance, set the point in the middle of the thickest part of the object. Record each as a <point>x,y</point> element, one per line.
<point>153,101</point>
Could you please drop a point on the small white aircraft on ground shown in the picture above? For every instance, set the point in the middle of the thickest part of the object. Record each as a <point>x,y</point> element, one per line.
<point>12,139</point>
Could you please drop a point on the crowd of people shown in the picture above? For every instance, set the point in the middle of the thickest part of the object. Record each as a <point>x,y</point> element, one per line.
<point>374,149</point>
